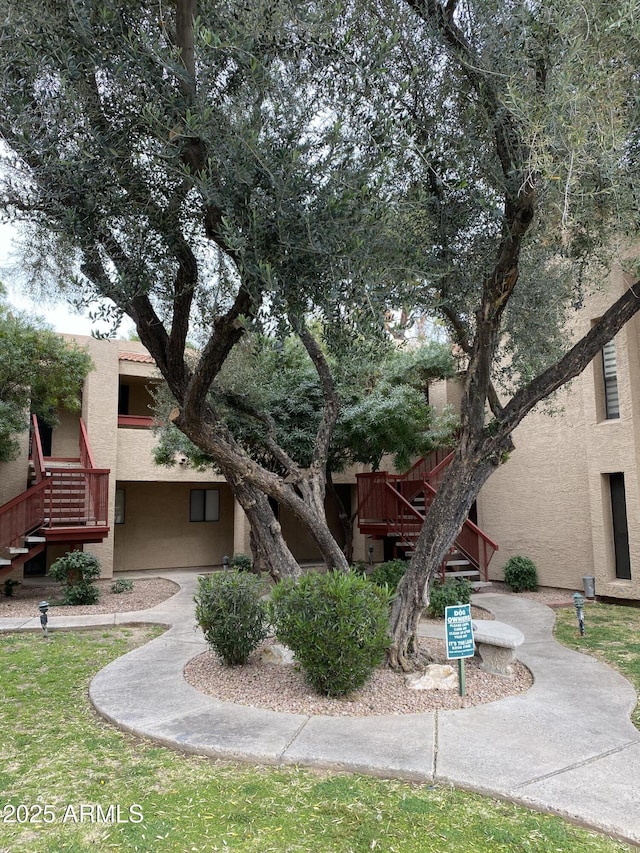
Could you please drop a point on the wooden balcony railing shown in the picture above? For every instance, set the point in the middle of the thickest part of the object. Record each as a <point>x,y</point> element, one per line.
<point>62,497</point>
<point>396,505</point>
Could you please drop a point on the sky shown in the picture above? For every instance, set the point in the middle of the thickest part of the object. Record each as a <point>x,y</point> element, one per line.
<point>59,315</point>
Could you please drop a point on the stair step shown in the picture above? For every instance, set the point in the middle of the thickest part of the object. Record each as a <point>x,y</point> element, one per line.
<point>468,574</point>
<point>4,562</point>
<point>458,563</point>
<point>34,540</point>
<point>15,551</point>
<point>480,584</point>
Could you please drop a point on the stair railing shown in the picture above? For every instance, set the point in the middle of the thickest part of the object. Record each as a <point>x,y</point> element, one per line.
<point>37,455</point>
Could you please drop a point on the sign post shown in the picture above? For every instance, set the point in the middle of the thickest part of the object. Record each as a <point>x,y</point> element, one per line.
<point>459,635</point>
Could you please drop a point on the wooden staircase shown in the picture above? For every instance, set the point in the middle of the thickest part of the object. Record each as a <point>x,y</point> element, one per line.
<point>66,503</point>
<point>395,506</point>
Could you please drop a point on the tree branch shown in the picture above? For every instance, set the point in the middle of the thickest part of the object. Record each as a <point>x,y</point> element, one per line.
<point>331,408</point>
<point>227,331</point>
<point>280,455</point>
<point>573,362</point>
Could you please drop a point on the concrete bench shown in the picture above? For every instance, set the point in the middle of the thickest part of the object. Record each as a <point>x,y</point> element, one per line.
<point>496,643</point>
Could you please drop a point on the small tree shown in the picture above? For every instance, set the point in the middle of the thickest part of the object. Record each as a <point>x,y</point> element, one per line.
<point>38,370</point>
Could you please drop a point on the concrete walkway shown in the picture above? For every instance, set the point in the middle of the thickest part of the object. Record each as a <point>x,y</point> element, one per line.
<point>565,746</point>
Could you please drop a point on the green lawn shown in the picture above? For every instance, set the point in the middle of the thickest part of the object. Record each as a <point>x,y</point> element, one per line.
<point>612,634</point>
<point>57,756</point>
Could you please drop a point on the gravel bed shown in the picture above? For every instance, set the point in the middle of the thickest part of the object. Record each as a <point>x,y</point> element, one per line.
<point>145,593</point>
<point>283,688</point>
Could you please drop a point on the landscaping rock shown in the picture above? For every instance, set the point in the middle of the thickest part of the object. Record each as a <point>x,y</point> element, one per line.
<point>437,677</point>
<point>277,654</point>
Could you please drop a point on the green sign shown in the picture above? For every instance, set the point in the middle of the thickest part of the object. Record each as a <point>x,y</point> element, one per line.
<point>459,631</point>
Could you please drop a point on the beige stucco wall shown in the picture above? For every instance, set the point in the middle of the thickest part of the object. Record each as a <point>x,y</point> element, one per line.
<point>65,441</point>
<point>551,500</point>
<point>100,413</point>
<point>13,474</point>
<point>135,461</point>
<point>157,533</point>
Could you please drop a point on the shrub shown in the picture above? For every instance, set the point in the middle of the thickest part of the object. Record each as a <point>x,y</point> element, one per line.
<point>520,574</point>
<point>453,591</point>
<point>9,585</point>
<point>360,568</point>
<point>231,614</point>
<point>122,585</point>
<point>336,624</point>
<point>241,562</point>
<point>77,571</point>
<point>388,574</point>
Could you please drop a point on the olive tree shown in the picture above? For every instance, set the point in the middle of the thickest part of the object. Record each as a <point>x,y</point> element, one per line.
<point>178,161</point>
<point>522,175</point>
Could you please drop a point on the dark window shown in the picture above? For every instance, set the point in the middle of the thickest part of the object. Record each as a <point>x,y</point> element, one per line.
<point>620,529</point>
<point>120,507</point>
<point>123,400</point>
<point>204,505</point>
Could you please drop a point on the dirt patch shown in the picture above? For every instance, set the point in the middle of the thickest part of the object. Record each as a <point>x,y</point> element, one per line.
<point>146,593</point>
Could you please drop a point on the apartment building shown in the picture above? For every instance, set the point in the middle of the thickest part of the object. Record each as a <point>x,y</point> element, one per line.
<point>568,497</point>
<point>92,483</point>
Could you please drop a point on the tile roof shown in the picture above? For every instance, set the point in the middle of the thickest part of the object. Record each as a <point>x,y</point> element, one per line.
<point>143,358</point>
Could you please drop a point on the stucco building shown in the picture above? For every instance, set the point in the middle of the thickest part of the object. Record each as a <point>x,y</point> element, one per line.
<point>568,497</point>
<point>101,490</point>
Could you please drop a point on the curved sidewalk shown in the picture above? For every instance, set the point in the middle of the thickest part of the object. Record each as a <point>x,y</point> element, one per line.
<point>565,746</point>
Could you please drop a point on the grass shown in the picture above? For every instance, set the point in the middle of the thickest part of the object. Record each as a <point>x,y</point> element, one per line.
<point>55,752</point>
<point>612,634</point>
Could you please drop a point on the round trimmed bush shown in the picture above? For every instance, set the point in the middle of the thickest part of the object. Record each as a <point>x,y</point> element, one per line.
<point>231,614</point>
<point>336,624</point>
<point>241,562</point>
<point>520,574</point>
<point>453,591</point>
<point>77,571</point>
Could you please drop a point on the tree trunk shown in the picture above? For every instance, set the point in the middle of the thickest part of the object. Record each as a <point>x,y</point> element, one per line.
<point>464,477</point>
<point>345,519</point>
<point>270,550</point>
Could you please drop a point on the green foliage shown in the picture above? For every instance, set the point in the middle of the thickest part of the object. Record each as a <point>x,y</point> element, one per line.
<point>121,585</point>
<point>231,614</point>
<point>336,624</point>
<point>388,574</point>
<point>241,562</point>
<point>38,370</point>
<point>447,594</point>
<point>382,390</point>
<point>8,586</point>
<point>77,571</point>
<point>520,574</point>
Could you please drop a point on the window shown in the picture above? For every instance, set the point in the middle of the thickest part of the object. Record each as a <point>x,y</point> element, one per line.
<point>119,510</point>
<point>620,528</point>
<point>205,505</point>
<point>123,399</point>
<point>610,376</point>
